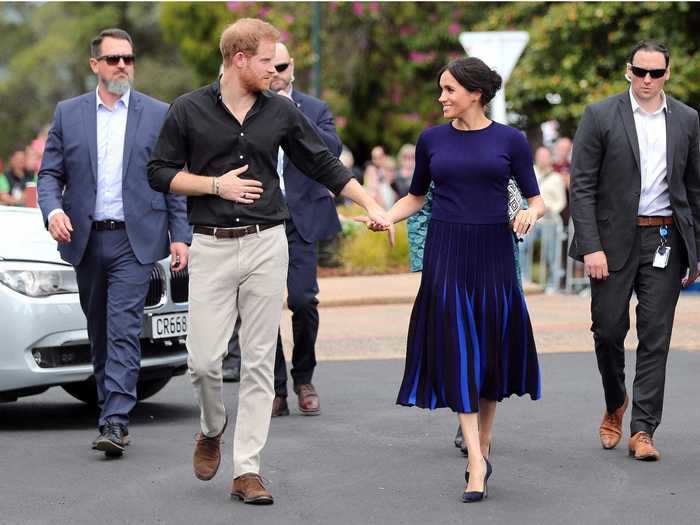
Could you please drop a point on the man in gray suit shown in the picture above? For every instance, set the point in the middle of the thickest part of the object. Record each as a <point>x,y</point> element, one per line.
<point>635,203</point>
<point>108,222</point>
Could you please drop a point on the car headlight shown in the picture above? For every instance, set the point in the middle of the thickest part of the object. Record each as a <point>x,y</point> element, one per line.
<point>38,279</point>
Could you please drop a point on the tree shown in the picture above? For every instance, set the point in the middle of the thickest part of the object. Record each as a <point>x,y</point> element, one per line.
<point>379,60</point>
<point>44,58</point>
<point>578,51</point>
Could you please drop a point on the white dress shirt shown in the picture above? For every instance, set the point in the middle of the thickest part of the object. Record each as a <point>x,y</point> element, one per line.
<point>111,131</point>
<point>654,198</point>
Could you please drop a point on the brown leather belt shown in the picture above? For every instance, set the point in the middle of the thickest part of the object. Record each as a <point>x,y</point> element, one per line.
<point>654,221</point>
<point>233,233</point>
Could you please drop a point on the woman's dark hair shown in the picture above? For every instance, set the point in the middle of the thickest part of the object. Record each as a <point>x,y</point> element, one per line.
<point>649,45</point>
<point>474,75</point>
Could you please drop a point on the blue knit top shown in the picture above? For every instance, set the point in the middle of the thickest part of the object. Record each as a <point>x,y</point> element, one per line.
<point>470,170</point>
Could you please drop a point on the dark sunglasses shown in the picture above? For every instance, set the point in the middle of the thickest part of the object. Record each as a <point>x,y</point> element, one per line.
<point>282,67</point>
<point>653,73</point>
<point>113,60</point>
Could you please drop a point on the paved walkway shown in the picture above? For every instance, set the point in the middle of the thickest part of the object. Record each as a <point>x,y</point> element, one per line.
<point>378,330</point>
<point>363,461</point>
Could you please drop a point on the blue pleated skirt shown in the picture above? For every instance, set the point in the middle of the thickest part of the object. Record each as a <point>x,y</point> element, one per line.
<point>470,335</point>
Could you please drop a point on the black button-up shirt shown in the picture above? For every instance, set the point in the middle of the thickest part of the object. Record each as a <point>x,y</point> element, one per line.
<point>200,133</point>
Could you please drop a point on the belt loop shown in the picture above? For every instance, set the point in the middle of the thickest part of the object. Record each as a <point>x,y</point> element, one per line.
<point>257,229</point>
<point>213,233</point>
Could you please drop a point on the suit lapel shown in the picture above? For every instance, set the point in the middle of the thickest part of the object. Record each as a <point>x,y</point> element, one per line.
<point>630,129</point>
<point>670,138</point>
<point>90,121</point>
<point>133,118</point>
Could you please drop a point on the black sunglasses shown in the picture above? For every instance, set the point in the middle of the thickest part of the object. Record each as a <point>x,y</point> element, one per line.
<point>113,60</point>
<point>281,67</point>
<point>653,73</point>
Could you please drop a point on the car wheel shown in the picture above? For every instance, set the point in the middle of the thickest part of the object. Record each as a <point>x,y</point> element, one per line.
<point>86,391</point>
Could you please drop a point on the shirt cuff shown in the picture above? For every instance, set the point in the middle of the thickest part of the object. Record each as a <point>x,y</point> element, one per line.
<point>54,212</point>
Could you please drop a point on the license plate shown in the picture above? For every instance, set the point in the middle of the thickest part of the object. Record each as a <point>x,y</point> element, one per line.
<point>169,325</point>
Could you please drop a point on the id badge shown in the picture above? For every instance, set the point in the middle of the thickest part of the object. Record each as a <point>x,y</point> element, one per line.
<point>661,257</point>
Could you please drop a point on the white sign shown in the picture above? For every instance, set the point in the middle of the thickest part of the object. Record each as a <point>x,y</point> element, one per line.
<point>501,51</point>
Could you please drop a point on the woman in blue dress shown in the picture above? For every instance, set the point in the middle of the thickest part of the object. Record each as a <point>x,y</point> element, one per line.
<point>470,341</point>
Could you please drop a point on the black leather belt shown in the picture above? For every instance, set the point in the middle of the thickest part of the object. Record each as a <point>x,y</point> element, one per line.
<point>233,233</point>
<point>108,225</point>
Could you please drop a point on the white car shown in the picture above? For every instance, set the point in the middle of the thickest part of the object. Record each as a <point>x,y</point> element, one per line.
<point>44,339</point>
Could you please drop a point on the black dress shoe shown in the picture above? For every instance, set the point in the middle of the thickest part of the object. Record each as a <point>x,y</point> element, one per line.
<point>231,375</point>
<point>112,439</point>
<point>125,437</point>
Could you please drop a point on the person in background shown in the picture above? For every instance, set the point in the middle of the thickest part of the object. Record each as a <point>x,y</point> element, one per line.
<point>387,179</point>
<point>547,229</point>
<point>313,218</point>
<point>109,224</point>
<point>406,165</point>
<point>15,179</point>
<point>561,164</point>
<point>635,203</point>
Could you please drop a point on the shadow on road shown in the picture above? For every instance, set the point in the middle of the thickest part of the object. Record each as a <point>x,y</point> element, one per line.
<point>26,415</point>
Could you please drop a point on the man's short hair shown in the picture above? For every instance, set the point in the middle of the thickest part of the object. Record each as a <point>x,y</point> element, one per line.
<point>245,36</point>
<point>96,44</point>
<point>650,45</point>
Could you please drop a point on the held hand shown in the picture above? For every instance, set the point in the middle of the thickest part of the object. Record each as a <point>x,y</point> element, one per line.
<point>243,191</point>
<point>596,264</point>
<point>524,221</point>
<point>60,227</point>
<point>376,227</point>
<point>693,274</point>
<point>179,254</point>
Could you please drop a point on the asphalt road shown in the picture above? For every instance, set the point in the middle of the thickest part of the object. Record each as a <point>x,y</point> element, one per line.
<point>364,460</point>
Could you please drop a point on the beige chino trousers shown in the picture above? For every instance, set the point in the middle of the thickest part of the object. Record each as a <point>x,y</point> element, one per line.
<point>242,277</point>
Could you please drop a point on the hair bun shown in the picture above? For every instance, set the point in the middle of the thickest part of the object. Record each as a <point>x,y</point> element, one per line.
<point>497,80</point>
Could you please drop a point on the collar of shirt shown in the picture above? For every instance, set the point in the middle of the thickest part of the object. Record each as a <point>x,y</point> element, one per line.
<point>124,98</point>
<point>636,108</point>
<point>260,96</point>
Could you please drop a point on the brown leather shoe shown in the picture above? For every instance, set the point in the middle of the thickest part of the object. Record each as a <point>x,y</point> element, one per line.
<point>641,447</point>
<point>207,455</point>
<point>309,404</point>
<point>279,407</point>
<point>250,489</point>
<point>610,430</point>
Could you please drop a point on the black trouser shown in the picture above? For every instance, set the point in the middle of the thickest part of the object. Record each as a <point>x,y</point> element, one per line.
<point>302,289</point>
<point>657,293</point>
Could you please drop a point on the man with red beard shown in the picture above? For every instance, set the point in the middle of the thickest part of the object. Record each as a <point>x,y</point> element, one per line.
<point>219,146</point>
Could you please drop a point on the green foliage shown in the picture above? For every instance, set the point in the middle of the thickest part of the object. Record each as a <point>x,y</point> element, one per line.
<point>579,52</point>
<point>44,53</point>
<point>379,59</point>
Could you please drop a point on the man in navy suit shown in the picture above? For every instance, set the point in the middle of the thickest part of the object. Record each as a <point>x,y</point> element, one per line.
<point>109,224</point>
<point>313,218</point>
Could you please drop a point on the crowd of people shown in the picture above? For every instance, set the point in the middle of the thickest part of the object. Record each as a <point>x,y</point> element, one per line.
<point>21,170</point>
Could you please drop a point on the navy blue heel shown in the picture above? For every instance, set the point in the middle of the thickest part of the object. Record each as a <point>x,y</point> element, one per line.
<point>473,497</point>
<point>466,472</point>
